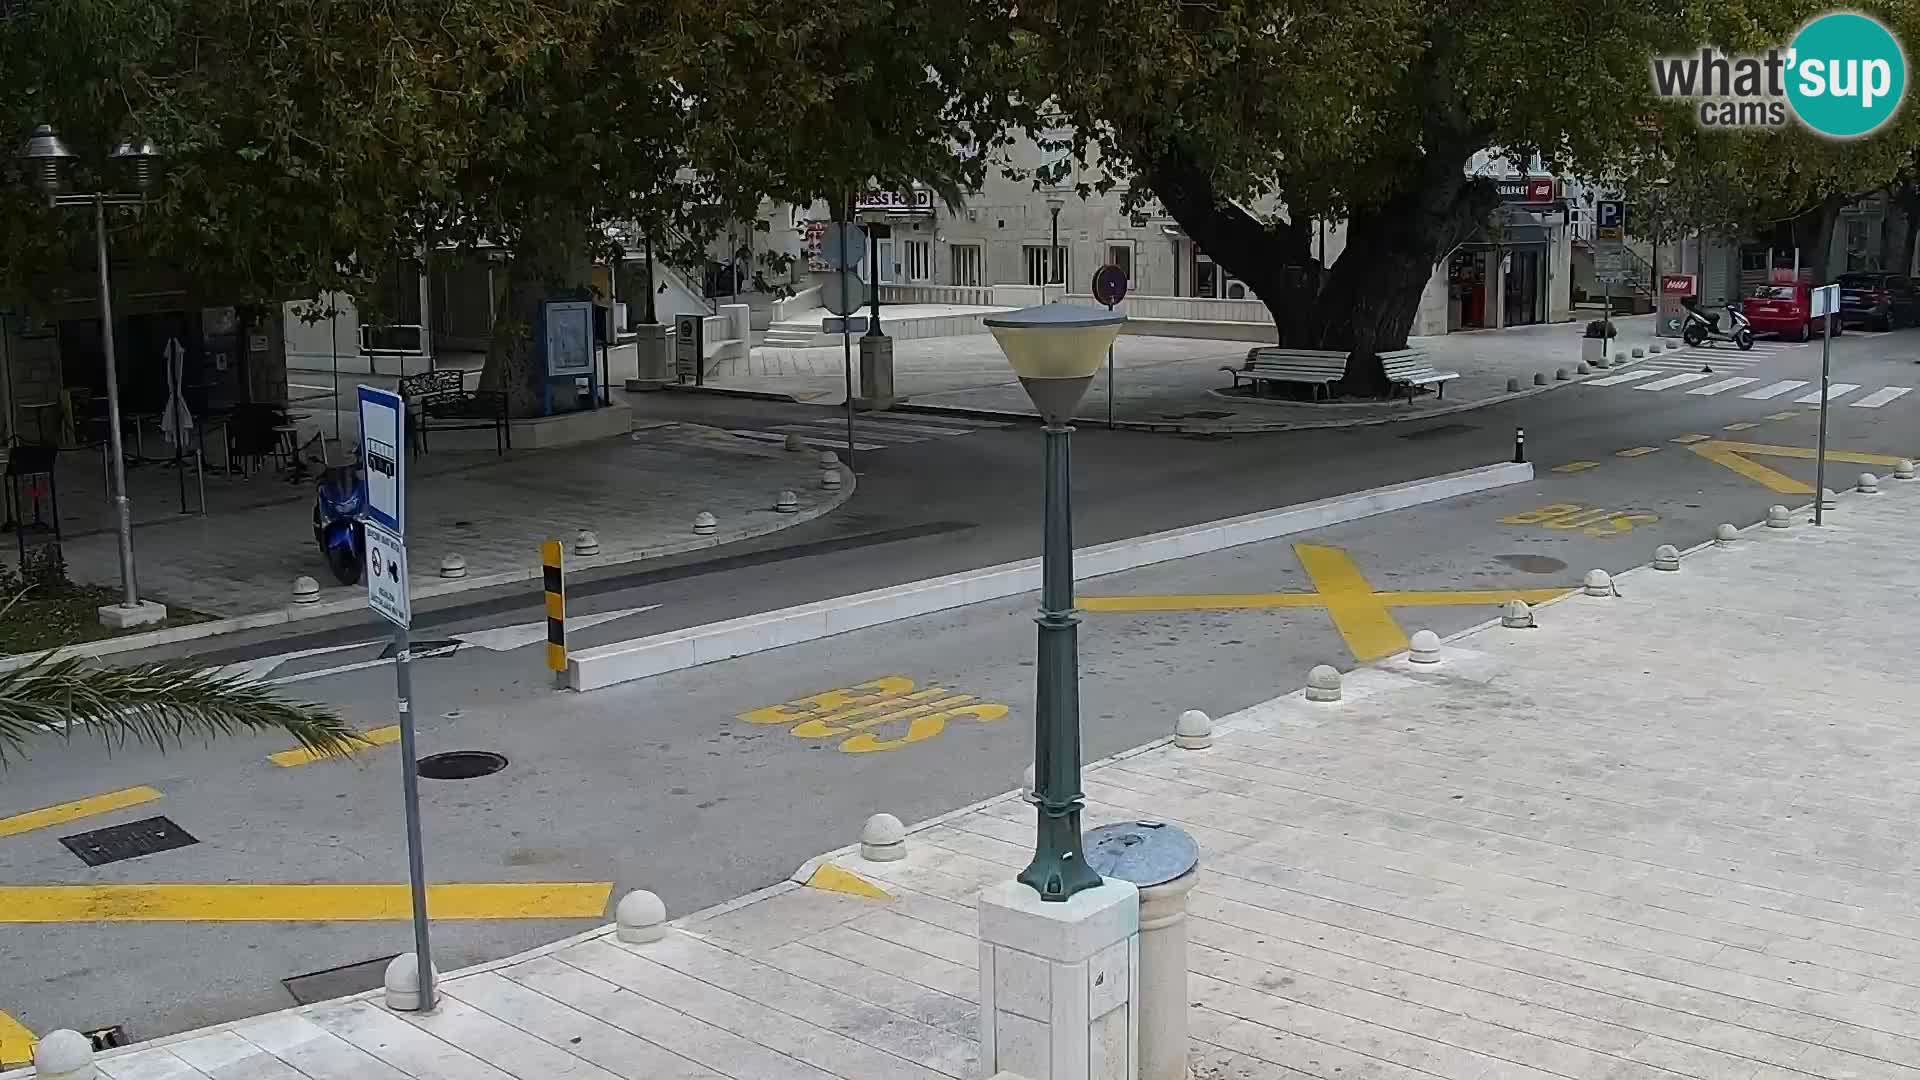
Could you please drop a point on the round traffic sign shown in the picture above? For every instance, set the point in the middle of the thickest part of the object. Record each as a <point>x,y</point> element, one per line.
<point>834,300</point>
<point>843,245</point>
<point>1110,285</point>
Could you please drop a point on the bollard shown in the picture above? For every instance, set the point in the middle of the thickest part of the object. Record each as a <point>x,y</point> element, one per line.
<point>586,544</point>
<point>830,479</point>
<point>1323,684</point>
<point>1424,647</point>
<point>403,983</point>
<point>453,566</point>
<point>704,524</point>
<point>1638,352</point>
<point>64,1055</point>
<point>1599,583</point>
<point>1903,470</point>
<point>1517,616</point>
<point>1828,500</point>
<point>305,590</point>
<point>795,443</point>
<point>1513,386</point>
<point>640,918</point>
<point>1666,557</point>
<point>1582,369</point>
<point>1026,785</point>
<point>554,584</point>
<point>829,459</point>
<point>1163,862</point>
<point>1725,536</point>
<point>1193,731</point>
<point>1559,374</point>
<point>1539,378</point>
<point>883,839</point>
<point>787,503</point>
<point>1868,484</point>
<point>1779,517</point>
<point>1519,446</point>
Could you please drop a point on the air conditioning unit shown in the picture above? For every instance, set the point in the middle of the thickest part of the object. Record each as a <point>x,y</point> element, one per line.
<point>972,214</point>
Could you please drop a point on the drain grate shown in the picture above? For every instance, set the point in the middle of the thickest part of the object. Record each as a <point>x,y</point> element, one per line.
<point>107,1038</point>
<point>130,841</point>
<point>461,765</point>
<point>1439,431</point>
<point>344,981</point>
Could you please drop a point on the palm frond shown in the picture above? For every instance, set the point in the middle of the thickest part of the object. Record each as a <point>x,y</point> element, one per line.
<point>161,705</point>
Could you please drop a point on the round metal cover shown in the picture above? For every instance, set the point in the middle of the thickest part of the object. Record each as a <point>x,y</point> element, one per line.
<point>1110,284</point>
<point>831,297</point>
<point>1146,853</point>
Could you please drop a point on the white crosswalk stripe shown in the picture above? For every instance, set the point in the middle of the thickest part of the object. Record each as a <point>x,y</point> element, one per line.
<point>1834,393</point>
<point>1623,377</point>
<point>1881,397</point>
<point>1722,386</point>
<point>1672,381</point>
<point>1774,390</point>
<point>871,432</point>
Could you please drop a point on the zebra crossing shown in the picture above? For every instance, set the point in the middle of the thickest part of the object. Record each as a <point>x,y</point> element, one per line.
<point>1718,357</point>
<point>870,431</point>
<point>1709,372</point>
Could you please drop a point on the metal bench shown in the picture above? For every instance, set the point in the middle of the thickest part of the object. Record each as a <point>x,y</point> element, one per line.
<point>1410,368</point>
<point>440,400</point>
<point>1313,367</point>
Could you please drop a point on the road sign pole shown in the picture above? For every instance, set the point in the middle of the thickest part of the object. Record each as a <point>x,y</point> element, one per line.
<point>1606,318</point>
<point>1826,392</point>
<point>846,359</point>
<point>410,785</point>
<point>1109,382</point>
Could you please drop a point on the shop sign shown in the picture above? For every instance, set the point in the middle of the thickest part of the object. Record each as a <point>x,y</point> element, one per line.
<point>915,202</point>
<point>1526,189</point>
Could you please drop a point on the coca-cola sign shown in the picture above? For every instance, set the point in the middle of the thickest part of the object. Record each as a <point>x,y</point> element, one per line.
<point>1525,189</point>
<point>1676,284</point>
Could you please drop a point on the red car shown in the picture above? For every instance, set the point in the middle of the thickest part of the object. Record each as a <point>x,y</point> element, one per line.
<point>1784,309</point>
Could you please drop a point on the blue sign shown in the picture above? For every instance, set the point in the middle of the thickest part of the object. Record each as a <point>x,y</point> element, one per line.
<point>1610,214</point>
<point>383,445</point>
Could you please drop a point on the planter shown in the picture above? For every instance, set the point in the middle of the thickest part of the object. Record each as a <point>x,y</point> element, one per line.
<point>1593,351</point>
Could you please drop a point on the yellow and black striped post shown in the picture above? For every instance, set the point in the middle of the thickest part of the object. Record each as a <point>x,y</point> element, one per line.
<point>552,558</point>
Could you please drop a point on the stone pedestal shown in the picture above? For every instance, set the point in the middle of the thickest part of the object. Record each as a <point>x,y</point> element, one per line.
<point>655,357</point>
<point>121,617</point>
<point>876,373</point>
<point>1059,992</point>
<point>1163,978</point>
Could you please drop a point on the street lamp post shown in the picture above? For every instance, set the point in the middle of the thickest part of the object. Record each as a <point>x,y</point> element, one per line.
<point>49,158</point>
<point>1055,350</point>
<point>1056,273</point>
<point>871,218</point>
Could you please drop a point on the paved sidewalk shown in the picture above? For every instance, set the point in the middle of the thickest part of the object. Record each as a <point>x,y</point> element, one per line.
<point>1667,834</point>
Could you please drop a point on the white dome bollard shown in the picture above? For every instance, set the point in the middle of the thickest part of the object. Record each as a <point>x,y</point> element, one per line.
<point>830,479</point>
<point>1323,684</point>
<point>795,442</point>
<point>1425,647</point>
<point>1560,375</point>
<point>585,543</point>
<point>1517,615</point>
<point>1666,557</point>
<point>64,1055</point>
<point>883,839</point>
<point>1513,386</point>
<point>1725,535</point>
<point>829,459</point>
<point>453,566</point>
<point>403,983</point>
<point>1193,730</point>
<point>1581,368</point>
<point>1828,500</point>
<point>305,590</point>
<point>787,503</point>
<point>1868,484</point>
<point>640,918</point>
<point>1026,784</point>
<point>704,524</point>
<point>1599,583</point>
<point>1779,517</point>
<point>1903,470</point>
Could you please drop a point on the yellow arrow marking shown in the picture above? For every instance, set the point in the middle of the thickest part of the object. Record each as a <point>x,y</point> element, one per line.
<point>16,1043</point>
<point>1734,455</point>
<point>298,903</point>
<point>72,811</point>
<point>833,879</point>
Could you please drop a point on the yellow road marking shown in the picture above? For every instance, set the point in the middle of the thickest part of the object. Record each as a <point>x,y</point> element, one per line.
<point>1576,466</point>
<point>287,759</point>
<point>1684,439</point>
<point>72,811</point>
<point>852,710</point>
<point>833,879</point>
<point>1638,451</point>
<point>298,903</point>
<point>16,1043</point>
<point>1594,521</point>
<point>922,728</point>
<point>1362,619</point>
<point>1734,455</point>
<point>1741,426</point>
<point>1200,602</point>
<point>1788,415</point>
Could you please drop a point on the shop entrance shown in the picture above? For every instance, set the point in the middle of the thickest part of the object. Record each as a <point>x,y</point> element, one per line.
<point>1468,303</point>
<point>1523,286</point>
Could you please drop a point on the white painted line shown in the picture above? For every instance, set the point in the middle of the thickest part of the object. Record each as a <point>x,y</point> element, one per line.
<point>1672,381</point>
<point>872,426</point>
<point>1774,390</point>
<point>592,669</point>
<point>1722,386</point>
<point>957,420</point>
<point>819,444</point>
<point>1834,393</point>
<point>1616,380</point>
<point>1881,397</point>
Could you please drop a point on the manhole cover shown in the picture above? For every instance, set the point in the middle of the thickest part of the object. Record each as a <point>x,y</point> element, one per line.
<point>129,841</point>
<point>1532,564</point>
<point>1439,431</point>
<point>461,765</point>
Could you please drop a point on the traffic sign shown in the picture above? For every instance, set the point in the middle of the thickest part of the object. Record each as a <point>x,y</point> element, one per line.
<point>840,302</point>
<point>1110,285</point>
<point>387,592</point>
<point>1610,220</point>
<point>843,245</point>
<point>383,419</point>
<point>1826,300</point>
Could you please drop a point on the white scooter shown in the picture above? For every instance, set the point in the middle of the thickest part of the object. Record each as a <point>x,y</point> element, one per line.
<point>1702,328</point>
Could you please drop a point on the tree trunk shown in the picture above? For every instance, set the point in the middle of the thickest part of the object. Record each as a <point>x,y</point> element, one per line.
<point>550,261</point>
<point>1813,235</point>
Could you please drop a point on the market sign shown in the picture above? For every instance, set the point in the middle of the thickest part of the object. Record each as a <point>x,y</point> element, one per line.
<point>1525,189</point>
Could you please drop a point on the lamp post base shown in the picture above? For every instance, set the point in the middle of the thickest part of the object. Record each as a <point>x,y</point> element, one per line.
<point>1059,983</point>
<point>126,617</point>
<point>876,374</point>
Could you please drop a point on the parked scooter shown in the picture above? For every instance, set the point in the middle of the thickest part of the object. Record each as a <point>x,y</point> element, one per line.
<point>1701,328</point>
<point>338,501</point>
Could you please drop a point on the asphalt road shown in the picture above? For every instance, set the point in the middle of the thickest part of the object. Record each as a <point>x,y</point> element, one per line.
<point>661,784</point>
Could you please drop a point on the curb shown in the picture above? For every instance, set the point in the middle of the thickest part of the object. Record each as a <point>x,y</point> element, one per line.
<point>726,391</point>
<point>608,665</point>
<point>433,589</point>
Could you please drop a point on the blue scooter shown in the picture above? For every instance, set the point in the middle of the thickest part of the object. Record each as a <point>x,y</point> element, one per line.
<point>337,504</point>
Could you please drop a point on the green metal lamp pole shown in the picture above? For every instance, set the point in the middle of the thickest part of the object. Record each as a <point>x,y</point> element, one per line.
<point>1055,349</point>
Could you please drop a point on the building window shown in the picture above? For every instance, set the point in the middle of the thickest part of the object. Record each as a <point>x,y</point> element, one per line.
<point>1121,255</point>
<point>1045,265</point>
<point>966,264</point>
<point>1858,255</point>
<point>916,258</point>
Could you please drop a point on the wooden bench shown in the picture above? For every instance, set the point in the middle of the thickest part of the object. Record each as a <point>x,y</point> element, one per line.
<point>1313,367</point>
<point>1411,369</point>
<point>440,400</point>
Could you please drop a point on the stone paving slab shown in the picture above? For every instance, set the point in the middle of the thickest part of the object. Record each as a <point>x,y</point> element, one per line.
<point>1666,834</point>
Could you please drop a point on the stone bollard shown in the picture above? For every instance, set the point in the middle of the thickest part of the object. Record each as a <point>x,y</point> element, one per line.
<point>64,1055</point>
<point>1599,583</point>
<point>1163,862</point>
<point>1513,386</point>
<point>1323,684</point>
<point>1638,352</point>
<point>829,459</point>
<point>1903,470</point>
<point>1539,378</point>
<point>640,918</point>
<point>1725,536</point>
<point>585,543</point>
<point>883,839</point>
<point>830,479</point>
<point>1666,557</point>
<point>1026,785</point>
<point>1779,517</point>
<point>787,503</point>
<point>403,983</point>
<point>1581,368</point>
<point>1425,647</point>
<point>1517,616</point>
<point>704,524</point>
<point>453,566</point>
<point>305,590</point>
<point>1193,731</point>
<point>1868,484</point>
<point>795,442</point>
<point>1560,375</point>
<point>1828,500</point>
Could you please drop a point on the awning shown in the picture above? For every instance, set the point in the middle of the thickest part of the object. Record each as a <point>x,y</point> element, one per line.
<point>1519,226</point>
